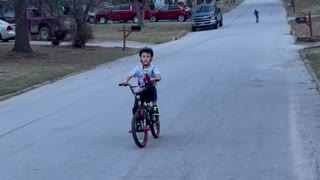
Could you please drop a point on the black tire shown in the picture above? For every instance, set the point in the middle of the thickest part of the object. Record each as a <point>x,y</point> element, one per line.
<point>215,26</point>
<point>155,126</point>
<point>55,42</point>
<point>135,19</point>
<point>103,20</point>
<point>181,18</point>
<point>136,129</point>
<point>153,18</point>
<point>221,22</point>
<point>193,29</point>
<point>45,33</point>
<point>91,20</point>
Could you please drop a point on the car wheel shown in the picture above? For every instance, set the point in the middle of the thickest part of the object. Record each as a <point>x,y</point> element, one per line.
<point>45,33</point>
<point>0,37</point>
<point>215,26</point>
<point>135,19</point>
<point>193,29</point>
<point>181,18</point>
<point>153,18</point>
<point>91,20</point>
<point>221,22</point>
<point>103,20</point>
<point>55,42</point>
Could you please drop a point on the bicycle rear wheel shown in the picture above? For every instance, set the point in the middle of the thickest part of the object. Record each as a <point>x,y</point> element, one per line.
<point>139,131</point>
<point>155,126</point>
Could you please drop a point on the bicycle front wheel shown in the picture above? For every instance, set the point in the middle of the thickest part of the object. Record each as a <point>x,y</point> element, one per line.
<point>155,126</point>
<point>139,131</point>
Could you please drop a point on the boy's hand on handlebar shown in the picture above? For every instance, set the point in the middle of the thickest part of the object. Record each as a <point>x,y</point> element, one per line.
<point>154,80</point>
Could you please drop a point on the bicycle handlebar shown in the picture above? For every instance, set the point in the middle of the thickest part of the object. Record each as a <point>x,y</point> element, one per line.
<point>132,87</point>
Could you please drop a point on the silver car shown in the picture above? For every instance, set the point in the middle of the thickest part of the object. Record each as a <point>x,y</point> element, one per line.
<point>7,31</point>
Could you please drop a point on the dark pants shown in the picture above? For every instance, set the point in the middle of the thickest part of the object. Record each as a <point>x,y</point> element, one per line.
<point>148,95</point>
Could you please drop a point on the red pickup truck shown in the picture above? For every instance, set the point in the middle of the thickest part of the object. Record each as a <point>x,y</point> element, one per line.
<point>46,27</point>
<point>49,27</point>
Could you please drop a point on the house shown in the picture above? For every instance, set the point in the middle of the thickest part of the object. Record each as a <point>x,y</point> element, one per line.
<point>159,3</point>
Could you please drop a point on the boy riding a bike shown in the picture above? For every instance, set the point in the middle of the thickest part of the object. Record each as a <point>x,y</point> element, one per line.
<point>147,75</point>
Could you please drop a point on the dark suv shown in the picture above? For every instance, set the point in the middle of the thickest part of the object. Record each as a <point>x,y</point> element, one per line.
<point>206,15</point>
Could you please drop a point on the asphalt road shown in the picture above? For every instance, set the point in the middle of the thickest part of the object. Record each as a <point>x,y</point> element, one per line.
<point>236,104</point>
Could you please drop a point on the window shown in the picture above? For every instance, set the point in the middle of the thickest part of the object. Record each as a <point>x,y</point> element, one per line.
<point>9,14</point>
<point>36,13</point>
<point>204,9</point>
<point>174,8</point>
<point>124,8</point>
<point>164,8</point>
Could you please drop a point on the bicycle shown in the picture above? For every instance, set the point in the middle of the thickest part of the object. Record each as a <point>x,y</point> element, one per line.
<point>144,119</point>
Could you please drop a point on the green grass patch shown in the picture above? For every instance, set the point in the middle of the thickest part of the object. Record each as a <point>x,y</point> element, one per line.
<point>313,55</point>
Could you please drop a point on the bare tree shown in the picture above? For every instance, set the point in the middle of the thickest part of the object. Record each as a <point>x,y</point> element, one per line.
<point>140,6</point>
<point>22,44</point>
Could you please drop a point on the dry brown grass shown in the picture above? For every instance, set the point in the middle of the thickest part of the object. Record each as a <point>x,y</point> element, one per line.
<point>302,30</point>
<point>156,33</point>
<point>302,7</point>
<point>20,71</point>
<point>225,8</point>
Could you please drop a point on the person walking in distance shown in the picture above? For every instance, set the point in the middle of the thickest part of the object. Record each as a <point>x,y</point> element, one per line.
<point>256,13</point>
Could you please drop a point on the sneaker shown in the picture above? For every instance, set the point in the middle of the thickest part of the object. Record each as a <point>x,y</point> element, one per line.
<point>155,110</point>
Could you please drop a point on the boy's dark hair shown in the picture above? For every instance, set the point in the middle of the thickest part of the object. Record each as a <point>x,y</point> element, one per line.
<point>146,50</point>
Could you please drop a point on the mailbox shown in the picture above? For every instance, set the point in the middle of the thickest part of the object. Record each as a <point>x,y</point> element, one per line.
<point>301,20</point>
<point>135,28</point>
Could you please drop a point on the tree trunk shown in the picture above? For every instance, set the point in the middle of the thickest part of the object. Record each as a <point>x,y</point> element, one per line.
<point>140,7</point>
<point>83,32</point>
<point>22,43</point>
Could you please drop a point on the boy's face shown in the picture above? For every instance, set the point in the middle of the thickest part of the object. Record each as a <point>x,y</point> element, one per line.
<point>145,58</point>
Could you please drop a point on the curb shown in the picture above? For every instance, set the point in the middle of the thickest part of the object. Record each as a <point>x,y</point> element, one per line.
<point>309,68</point>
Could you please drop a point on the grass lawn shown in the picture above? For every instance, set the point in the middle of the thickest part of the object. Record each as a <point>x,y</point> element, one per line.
<point>302,30</point>
<point>47,63</point>
<point>155,33</point>
<point>20,71</point>
<point>313,55</point>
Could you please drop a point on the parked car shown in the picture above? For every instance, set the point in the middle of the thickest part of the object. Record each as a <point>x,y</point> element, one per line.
<point>206,15</point>
<point>170,12</point>
<point>8,17</point>
<point>7,31</point>
<point>122,13</point>
<point>47,27</point>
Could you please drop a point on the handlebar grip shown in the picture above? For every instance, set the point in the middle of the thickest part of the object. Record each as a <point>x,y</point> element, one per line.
<point>123,84</point>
